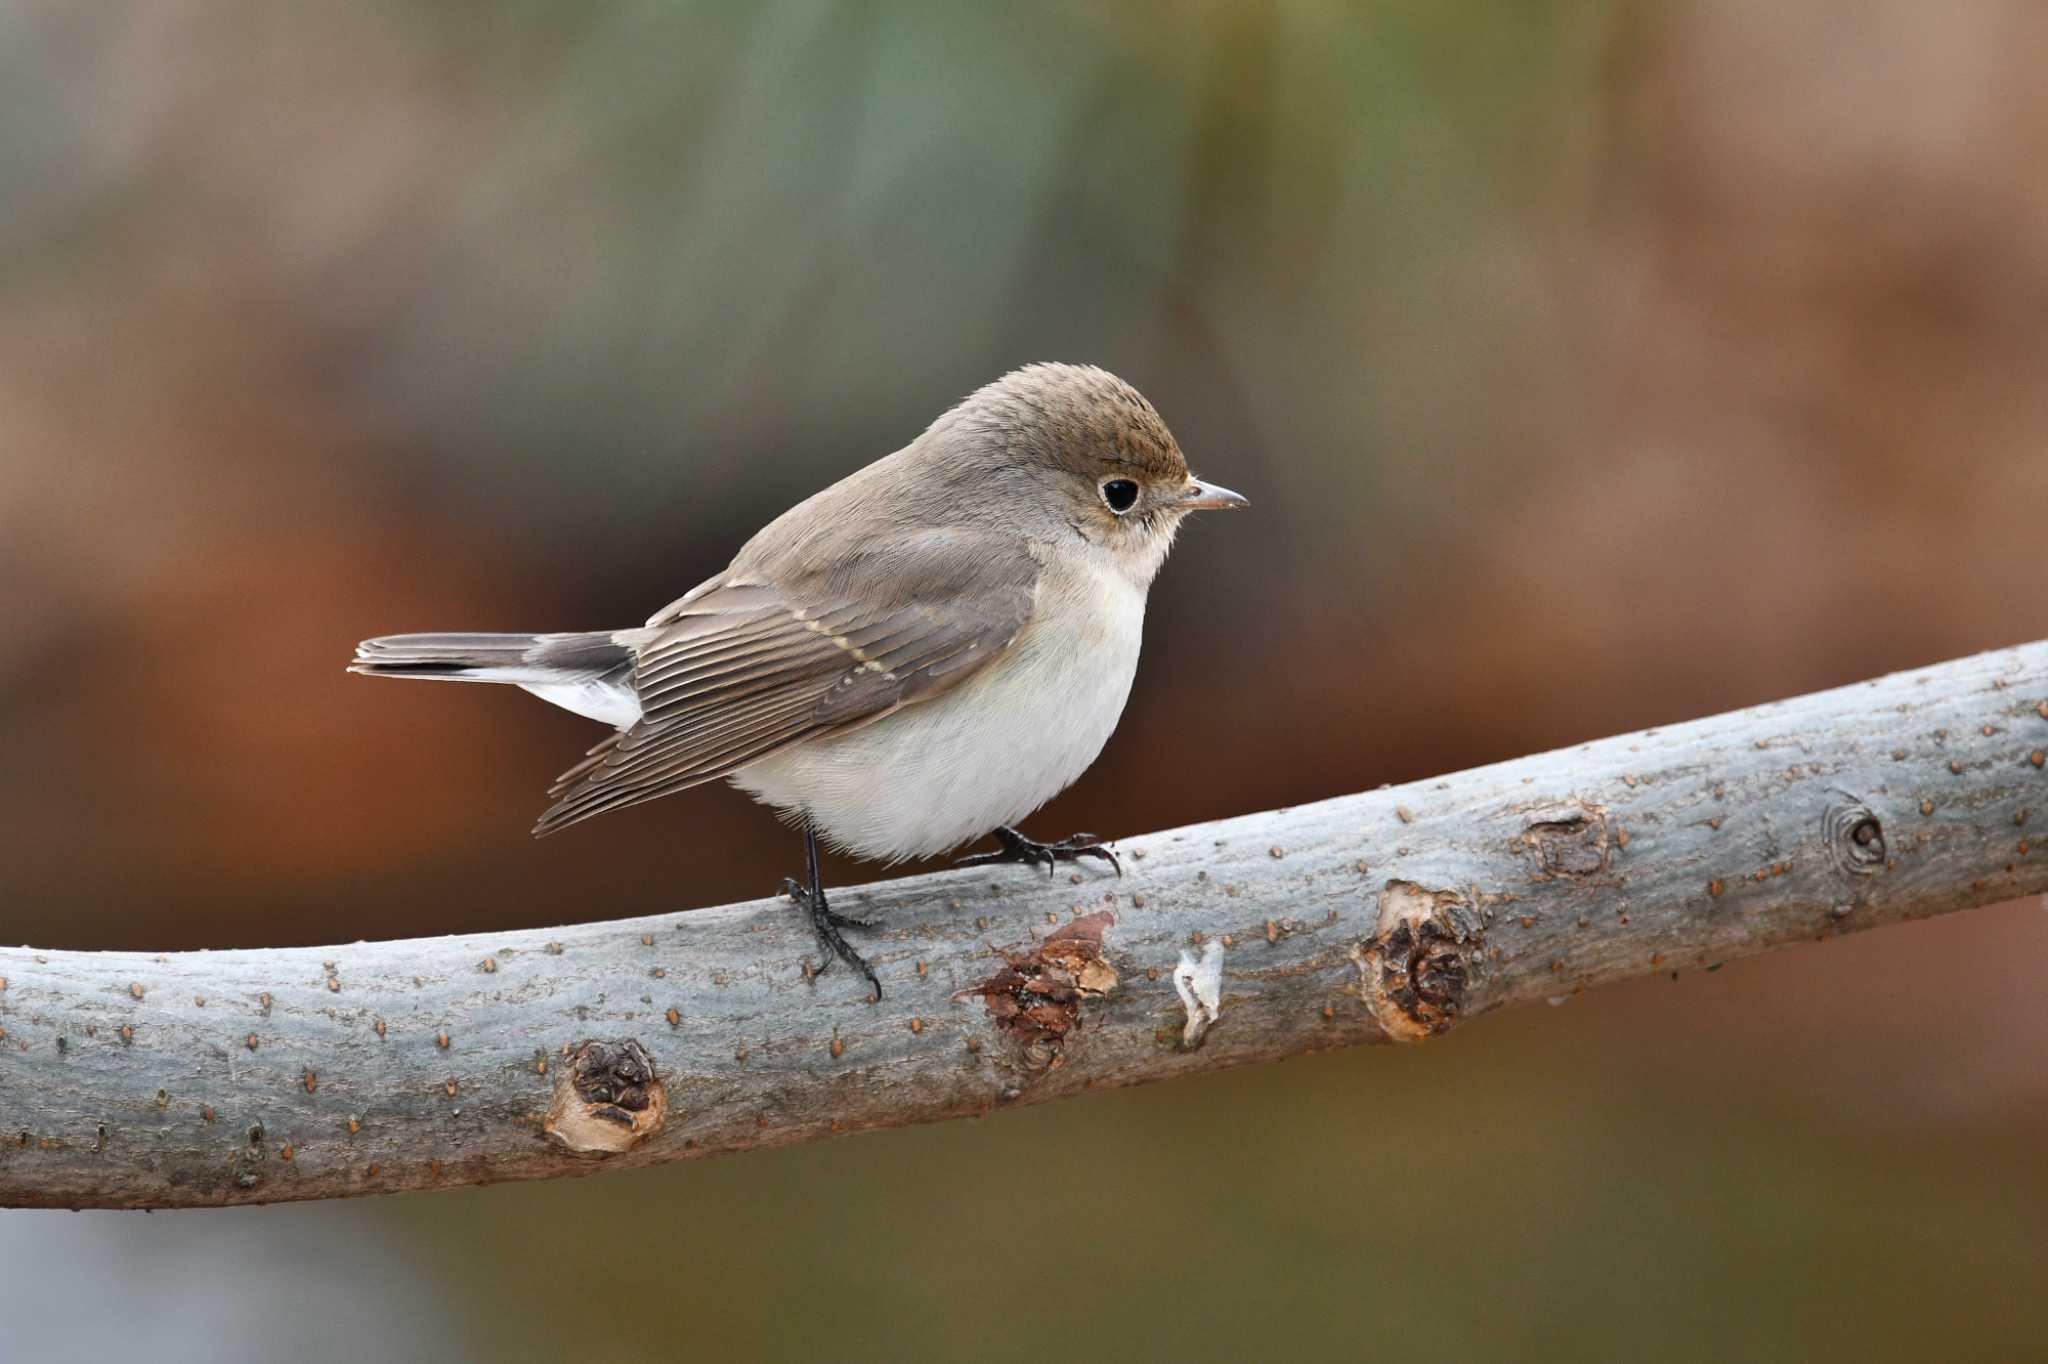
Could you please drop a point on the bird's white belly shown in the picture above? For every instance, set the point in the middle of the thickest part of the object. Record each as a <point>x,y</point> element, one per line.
<point>941,772</point>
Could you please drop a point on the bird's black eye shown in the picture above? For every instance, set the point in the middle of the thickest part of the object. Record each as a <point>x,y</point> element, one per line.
<point>1120,494</point>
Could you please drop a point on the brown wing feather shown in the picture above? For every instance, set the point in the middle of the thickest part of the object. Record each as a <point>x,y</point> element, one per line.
<point>747,666</point>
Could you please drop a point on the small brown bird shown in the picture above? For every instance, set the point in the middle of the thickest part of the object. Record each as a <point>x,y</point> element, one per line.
<point>921,654</point>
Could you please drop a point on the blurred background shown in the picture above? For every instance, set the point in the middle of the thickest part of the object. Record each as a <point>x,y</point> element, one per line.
<point>1590,366</point>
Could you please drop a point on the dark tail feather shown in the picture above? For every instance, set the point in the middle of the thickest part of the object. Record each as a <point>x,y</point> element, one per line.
<point>495,658</point>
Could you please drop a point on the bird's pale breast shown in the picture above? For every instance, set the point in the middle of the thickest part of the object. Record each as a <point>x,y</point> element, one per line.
<point>939,773</point>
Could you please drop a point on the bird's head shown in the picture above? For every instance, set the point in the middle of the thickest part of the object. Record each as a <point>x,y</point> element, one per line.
<point>1066,452</point>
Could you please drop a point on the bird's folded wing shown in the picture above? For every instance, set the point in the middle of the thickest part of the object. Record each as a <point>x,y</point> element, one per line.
<point>753,662</point>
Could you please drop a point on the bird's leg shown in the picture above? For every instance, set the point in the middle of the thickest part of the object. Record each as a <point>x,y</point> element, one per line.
<point>825,922</point>
<point>1017,848</point>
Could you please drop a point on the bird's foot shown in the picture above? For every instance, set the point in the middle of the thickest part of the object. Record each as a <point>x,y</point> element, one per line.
<point>1017,848</point>
<point>797,891</point>
<point>826,923</point>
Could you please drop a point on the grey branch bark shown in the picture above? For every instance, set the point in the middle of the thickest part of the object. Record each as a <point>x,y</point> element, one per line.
<point>206,1078</point>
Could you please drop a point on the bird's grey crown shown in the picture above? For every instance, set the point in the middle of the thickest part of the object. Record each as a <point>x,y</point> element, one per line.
<point>1076,417</point>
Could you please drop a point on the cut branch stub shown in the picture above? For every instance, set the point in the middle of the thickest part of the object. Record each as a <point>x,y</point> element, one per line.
<point>1035,999</point>
<point>607,1099</point>
<point>1855,837</point>
<point>1574,840</point>
<point>1413,973</point>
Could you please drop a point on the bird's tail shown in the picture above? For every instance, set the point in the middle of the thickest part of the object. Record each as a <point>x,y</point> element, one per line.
<point>588,673</point>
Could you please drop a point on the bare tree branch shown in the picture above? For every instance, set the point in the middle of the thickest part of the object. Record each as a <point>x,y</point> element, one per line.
<point>205,1078</point>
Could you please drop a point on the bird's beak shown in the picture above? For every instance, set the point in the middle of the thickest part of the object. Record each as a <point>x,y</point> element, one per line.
<point>1208,497</point>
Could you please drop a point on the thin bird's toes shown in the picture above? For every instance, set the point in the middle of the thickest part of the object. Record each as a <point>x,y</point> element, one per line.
<point>826,923</point>
<point>860,964</point>
<point>1017,848</point>
<point>1102,851</point>
<point>796,890</point>
<point>1074,847</point>
<point>1002,855</point>
<point>1029,854</point>
<point>837,946</point>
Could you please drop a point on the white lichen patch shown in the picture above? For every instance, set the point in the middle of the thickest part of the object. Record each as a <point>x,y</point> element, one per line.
<point>1199,982</point>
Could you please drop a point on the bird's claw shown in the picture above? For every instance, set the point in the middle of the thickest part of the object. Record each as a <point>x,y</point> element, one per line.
<point>826,923</point>
<point>1017,848</point>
